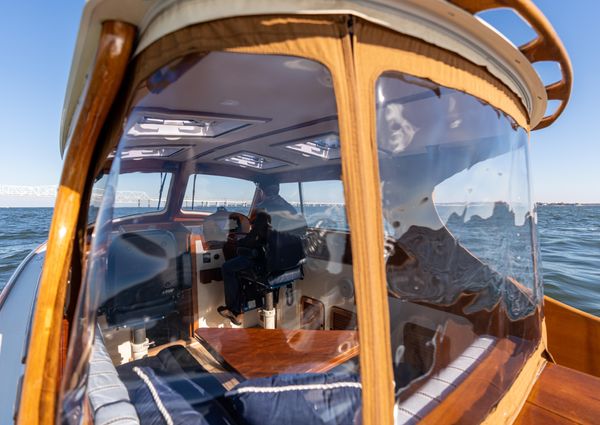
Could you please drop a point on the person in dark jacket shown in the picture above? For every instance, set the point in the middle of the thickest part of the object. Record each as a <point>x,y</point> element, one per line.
<point>284,217</point>
<point>271,200</point>
<point>250,251</point>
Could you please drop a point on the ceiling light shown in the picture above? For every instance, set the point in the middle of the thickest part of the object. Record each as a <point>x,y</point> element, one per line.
<point>326,146</point>
<point>157,124</point>
<point>148,152</point>
<point>252,160</point>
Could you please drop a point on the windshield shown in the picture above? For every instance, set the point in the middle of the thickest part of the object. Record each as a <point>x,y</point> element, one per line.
<point>205,193</point>
<point>460,229</point>
<point>220,261</point>
<point>141,193</point>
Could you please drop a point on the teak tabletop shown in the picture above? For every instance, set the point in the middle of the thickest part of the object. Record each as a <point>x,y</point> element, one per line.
<point>257,353</point>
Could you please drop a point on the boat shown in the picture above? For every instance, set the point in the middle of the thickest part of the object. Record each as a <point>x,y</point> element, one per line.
<point>298,211</point>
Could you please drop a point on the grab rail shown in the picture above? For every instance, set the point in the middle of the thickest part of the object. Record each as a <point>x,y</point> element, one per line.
<point>546,47</point>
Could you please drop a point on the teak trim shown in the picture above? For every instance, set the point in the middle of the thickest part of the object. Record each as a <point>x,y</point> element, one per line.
<point>40,383</point>
<point>573,337</point>
<point>545,47</point>
<point>380,50</point>
<point>562,396</point>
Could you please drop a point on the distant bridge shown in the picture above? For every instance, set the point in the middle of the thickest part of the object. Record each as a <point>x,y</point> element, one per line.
<point>48,191</point>
<point>137,198</point>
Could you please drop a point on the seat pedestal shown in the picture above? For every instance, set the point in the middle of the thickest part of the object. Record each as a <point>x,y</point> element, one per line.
<point>267,314</point>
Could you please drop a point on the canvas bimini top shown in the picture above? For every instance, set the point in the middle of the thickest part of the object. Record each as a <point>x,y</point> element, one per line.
<point>451,25</point>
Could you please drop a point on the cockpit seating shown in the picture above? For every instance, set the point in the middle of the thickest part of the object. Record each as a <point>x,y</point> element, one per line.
<point>175,370</point>
<point>147,272</point>
<point>173,384</point>
<point>284,259</point>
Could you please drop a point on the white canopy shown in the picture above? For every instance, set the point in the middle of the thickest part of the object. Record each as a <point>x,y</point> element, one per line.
<point>434,21</point>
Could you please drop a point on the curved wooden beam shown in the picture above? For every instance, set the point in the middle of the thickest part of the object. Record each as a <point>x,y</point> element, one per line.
<point>40,384</point>
<point>573,337</point>
<point>545,47</point>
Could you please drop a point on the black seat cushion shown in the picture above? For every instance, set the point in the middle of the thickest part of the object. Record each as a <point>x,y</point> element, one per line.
<point>284,251</point>
<point>285,277</point>
<point>143,278</point>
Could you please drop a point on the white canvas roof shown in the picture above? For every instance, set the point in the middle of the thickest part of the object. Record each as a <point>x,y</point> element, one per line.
<point>434,21</point>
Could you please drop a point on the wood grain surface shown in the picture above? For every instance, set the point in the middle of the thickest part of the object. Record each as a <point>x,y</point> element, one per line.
<point>258,353</point>
<point>562,396</point>
<point>470,402</point>
<point>573,337</point>
<point>545,47</point>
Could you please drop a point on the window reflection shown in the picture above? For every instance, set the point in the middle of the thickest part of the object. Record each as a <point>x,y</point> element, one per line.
<point>225,265</point>
<point>458,224</point>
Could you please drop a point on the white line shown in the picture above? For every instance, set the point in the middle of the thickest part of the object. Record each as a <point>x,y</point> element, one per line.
<point>161,407</point>
<point>308,387</point>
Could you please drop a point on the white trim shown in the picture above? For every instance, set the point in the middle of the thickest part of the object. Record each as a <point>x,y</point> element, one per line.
<point>161,407</point>
<point>307,387</point>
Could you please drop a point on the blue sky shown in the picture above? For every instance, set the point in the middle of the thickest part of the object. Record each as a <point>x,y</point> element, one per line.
<point>37,40</point>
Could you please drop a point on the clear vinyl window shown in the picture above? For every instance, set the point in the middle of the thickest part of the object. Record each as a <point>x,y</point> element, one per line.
<point>324,204</point>
<point>206,193</point>
<point>141,193</point>
<point>242,287</point>
<point>459,227</point>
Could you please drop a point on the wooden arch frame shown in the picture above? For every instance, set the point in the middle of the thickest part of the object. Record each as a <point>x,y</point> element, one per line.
<point>326,39</point>
<point>545,47</point>
<point>42,371</point>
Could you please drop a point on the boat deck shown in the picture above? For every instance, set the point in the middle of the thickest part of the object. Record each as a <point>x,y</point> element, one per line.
<point>562,396</point>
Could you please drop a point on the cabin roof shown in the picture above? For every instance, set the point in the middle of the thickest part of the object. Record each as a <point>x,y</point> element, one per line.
<point>434,21</point>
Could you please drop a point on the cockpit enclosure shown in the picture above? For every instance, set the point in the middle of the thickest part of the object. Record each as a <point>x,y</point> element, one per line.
<point>288,168</point>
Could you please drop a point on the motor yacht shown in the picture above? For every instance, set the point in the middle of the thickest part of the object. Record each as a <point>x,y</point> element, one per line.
<point>294,212</point>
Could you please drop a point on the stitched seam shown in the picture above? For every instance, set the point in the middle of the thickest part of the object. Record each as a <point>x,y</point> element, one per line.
<point>456,367</point>
<point>432,397</point>
<point>121,418</point>
<point>109,373</point>
<point>104,387</point>
<point>444,381</point>
<point>405,410</point>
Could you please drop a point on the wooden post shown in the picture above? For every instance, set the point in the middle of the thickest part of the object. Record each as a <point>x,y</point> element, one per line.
<point>40,384</point>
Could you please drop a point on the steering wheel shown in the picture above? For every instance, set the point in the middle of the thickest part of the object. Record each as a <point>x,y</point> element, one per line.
<point>325,223</point>
<point>221,224</point>
<point>316,238</point>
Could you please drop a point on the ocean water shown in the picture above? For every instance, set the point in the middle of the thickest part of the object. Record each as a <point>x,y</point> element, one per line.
<point>570,244</point>
<point>21,231</point>
<point>569,237</point>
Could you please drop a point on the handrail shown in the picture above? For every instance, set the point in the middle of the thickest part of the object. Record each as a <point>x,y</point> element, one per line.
<point>546,47</point>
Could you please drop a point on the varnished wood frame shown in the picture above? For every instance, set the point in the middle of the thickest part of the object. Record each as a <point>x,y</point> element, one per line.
<point>573,337</point>
<point>40,383</point>
<point>380,50</point>
<point>324,39</point>
<point>545,47</point>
